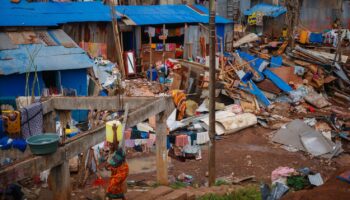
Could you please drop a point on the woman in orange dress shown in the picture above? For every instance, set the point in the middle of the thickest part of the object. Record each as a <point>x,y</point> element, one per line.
<point>116,163</point>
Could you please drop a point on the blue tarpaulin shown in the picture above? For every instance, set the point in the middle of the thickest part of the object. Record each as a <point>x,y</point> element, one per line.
<point>266,72</point>
<point>268,10</point>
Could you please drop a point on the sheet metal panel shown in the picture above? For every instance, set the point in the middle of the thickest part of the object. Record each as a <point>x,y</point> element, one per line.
<point>6,43</point>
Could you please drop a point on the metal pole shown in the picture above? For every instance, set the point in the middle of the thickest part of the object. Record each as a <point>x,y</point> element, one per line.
<point>212,71</point>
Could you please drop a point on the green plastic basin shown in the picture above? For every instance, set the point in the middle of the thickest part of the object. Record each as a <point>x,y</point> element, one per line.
<point>43,144</point>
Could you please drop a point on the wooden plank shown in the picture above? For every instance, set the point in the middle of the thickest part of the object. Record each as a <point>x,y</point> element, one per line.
<point>98,103</point>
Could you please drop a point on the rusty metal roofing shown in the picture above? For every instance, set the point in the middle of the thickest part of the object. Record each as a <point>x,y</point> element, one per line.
<point>51,50</point>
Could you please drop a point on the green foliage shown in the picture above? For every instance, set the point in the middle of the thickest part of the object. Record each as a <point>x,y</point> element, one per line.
<point>297,182</point>
<point>221,182</point>
<point>178,185</point>
<point>248,193</point>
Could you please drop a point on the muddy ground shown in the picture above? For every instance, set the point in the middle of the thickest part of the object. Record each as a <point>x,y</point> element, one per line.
<point>248,152</point>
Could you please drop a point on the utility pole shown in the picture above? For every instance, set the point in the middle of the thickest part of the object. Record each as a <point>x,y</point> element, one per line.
<point>293,13</point>
<point>212,77</point>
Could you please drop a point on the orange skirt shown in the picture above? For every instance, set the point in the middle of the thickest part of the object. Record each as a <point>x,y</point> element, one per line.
<point>118,176</point>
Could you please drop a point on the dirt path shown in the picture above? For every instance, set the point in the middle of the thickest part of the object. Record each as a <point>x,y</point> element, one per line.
<point>246,153</point>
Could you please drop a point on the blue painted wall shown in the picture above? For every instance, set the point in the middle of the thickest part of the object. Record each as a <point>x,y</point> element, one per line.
<point>13,85</point>
<point>76,79</point>
<point>220,31</point>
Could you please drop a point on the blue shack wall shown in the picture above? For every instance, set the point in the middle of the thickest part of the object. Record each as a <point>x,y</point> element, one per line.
<point>76,79</point>
<point>14,85</point>
<point>220,31</point>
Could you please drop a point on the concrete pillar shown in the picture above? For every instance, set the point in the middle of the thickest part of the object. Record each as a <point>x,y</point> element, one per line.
<point>162,153</point>
<point>59,181</point>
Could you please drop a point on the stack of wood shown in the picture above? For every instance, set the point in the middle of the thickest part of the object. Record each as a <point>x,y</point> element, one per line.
<point>232,81</point>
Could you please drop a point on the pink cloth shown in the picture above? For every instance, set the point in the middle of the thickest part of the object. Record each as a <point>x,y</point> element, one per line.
<point>151,140</point>
<point>181,140</point>
<point>130,143</point>
<point>281,172</point>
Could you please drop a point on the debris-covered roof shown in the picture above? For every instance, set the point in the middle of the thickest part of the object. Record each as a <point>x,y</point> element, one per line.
<point>268,10</point>
<point>168,14</point>
<point>51,13</point>
<point>50,50</point>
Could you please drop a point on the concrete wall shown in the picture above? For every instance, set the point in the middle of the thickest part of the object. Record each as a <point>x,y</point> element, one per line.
<point>318,15</point>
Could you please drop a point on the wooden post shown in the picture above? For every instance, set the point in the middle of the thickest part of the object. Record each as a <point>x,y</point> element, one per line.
<point>59,181</point>
<point>212,72</point>
<point>162,155</point>
<point>65,119</point>
<point>186,51</point>
<point>150,58</point>
<point>164,39</point>
<point>50,122</point>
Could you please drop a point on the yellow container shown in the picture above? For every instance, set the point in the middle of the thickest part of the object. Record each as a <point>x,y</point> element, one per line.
<point>153,45</point>
<point>304,37</point>
<point>109,131</point>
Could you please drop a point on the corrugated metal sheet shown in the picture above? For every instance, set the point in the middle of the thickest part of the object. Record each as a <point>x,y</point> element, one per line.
<point>51,13</point>
<point>6,43</point>
<point>47,58</point>
<point>23,37</point>
<point>62,38</point>
<point>55,13</point>
<point>268,10</point>
<point>167,14</point>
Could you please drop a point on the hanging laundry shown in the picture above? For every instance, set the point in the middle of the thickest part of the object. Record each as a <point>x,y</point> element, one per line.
<point>129,143</point>
<point>151,140</point>
<point>181,140</point>
<point>191,149</point>
<point>159,47</point>
<point>316,38</point>
<point>158,31</point>
<point>179,98</point>
<point>259,18</point>
<point>252,19</point>
<point>127,133</point>
<point>32,120</point>
<point>304,37</point>
<point>203,138</point>
<point>151,31</point>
